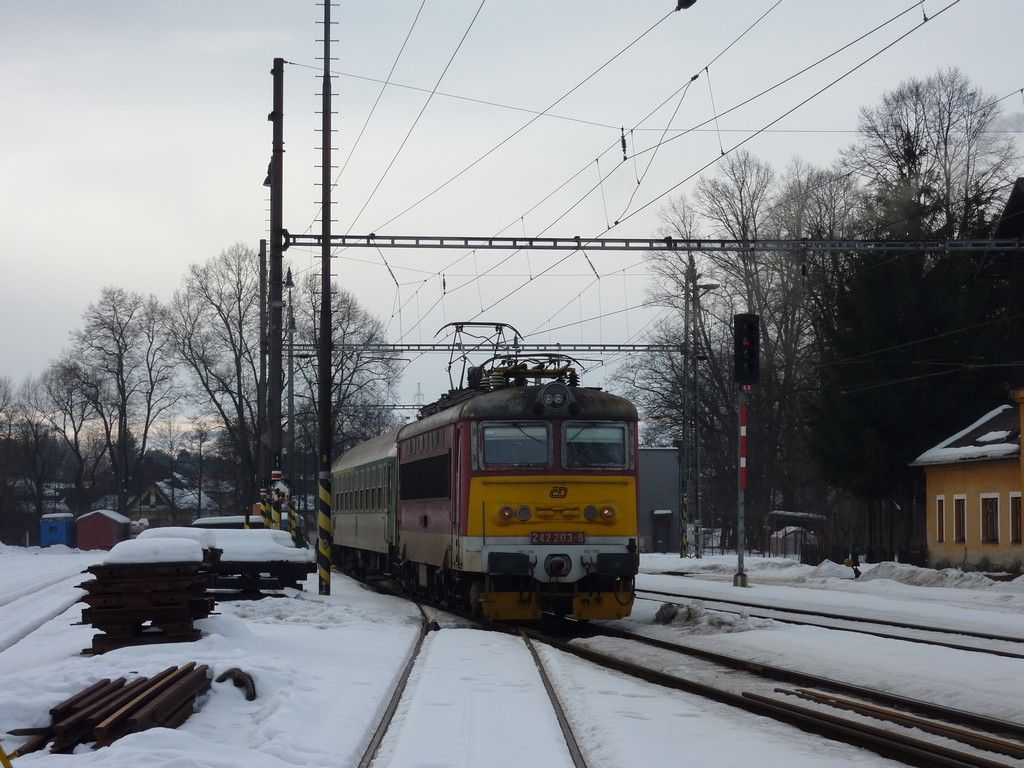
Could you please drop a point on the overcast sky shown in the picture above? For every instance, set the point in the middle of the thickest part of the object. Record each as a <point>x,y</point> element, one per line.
<point>134,140</point>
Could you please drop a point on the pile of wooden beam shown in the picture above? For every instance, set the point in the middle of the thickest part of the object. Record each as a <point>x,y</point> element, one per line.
<point>142,603</point>
<point>110,709</point>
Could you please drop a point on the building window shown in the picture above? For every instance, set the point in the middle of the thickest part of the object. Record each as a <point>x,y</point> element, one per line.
<point>1015,519</point>
<point>940,519</point>
<point>990,519</point>
<point>959,519</point>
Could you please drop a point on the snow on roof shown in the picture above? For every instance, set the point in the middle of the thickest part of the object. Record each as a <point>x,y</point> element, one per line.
<point>215,520</point>
<point>978,442</point>
<point>804,515</point>
<point>186,496</point>
<point>115,516</point>
<point>57,516</point>
<point>155,551</point>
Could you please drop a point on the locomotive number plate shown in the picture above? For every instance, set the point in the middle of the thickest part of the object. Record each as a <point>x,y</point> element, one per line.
<point>558,537</point>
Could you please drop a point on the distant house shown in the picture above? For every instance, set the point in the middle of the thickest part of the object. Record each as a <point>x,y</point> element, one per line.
<point>174,501</point>
<point>973,485</point>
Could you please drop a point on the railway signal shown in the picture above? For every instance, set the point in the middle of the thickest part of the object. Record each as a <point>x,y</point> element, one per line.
<point>746,356</point>
<point>746,352</point>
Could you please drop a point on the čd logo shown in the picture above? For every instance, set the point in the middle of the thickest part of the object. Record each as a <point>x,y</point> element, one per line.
<point>559,492</point>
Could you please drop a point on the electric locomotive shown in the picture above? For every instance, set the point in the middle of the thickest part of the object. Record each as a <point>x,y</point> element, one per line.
<point>512,496</point>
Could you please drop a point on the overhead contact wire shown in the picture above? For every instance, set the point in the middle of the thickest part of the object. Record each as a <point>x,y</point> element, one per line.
<point>416,121</point>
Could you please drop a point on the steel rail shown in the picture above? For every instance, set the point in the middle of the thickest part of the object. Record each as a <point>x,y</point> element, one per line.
<point>577,243</point>
<point>887,636</point>
<point>785,675</point>
<point>843,617</point>
<point>563,722</point>
<point>984,741</point>
<point>899,746</point>
<point>370,752</point>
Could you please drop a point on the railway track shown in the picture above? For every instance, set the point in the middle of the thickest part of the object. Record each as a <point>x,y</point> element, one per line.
<point>571,743</point>
<point>820,704</point>
<point>370,753</point>
<point>26,614</point>
<point>373,747</point>
<point>912,731</point>
<point>786,616</point>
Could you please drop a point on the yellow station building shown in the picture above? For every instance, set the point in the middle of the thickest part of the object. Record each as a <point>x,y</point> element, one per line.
<point>973,487</point>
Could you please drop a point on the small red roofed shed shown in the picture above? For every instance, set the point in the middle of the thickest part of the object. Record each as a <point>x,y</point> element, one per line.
<point>101,529</point>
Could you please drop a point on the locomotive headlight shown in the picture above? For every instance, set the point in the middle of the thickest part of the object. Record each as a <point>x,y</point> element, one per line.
<point>524,513</point>
<point>590,513</point>
<point>555,397</point>
<point>506,514</point>
<point>607,513</point>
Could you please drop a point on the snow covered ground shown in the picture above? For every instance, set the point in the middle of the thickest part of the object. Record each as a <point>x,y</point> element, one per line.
<point>324,668</point>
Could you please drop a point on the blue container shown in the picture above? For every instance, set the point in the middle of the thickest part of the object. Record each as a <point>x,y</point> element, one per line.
<point>57,528</point>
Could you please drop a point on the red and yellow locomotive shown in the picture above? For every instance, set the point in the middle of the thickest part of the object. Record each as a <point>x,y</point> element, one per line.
<point>511,497</point>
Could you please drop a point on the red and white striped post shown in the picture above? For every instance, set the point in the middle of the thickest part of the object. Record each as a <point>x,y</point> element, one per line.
<point>740,579</point>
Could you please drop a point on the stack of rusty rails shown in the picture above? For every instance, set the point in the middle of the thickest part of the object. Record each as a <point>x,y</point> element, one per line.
<point>110,709</point>
<point>143,603</point>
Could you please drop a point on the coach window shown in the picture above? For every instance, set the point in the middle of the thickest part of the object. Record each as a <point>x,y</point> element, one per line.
<point>516,445</point>
<point>594,445</point>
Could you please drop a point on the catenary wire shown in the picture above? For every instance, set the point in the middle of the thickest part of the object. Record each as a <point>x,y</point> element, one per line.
<point>418,116</point>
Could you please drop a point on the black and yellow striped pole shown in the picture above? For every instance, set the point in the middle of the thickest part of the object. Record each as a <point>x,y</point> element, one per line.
<point>325,534</point>
<point>293,523</point>
<point>276,477</point>
<point>264,508</point>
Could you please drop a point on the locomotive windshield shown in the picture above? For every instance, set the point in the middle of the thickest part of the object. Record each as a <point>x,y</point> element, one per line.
<point>595,445</point>
<point>520,445</point>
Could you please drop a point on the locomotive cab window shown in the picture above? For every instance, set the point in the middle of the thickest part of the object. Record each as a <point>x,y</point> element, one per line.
<point>594,445</point>
<point>516,445</point>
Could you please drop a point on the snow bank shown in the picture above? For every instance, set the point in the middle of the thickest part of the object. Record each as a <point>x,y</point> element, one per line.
<point>155,551</point>
<point>698,620</point>
<point>927,577</point>
<point>830,570</point>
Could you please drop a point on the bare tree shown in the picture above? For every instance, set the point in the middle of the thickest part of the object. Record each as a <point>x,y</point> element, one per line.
<point>932,159</point>
<point>64,404</point>
<point>38,454</point>
<point>128,375</point>
<point>360,378</point>
<point>217,334</point>
<point>199,438</point>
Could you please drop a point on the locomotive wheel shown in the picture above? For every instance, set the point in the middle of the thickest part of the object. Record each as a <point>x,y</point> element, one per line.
<point>473,598</point>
